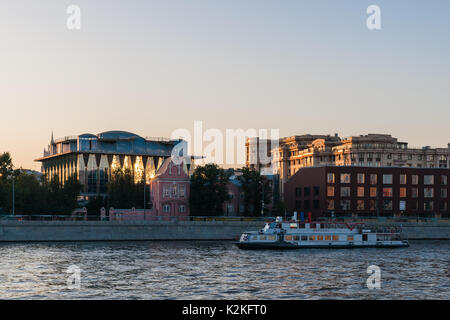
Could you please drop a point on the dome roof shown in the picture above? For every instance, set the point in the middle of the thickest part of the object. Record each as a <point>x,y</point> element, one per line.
<point>116,134</point>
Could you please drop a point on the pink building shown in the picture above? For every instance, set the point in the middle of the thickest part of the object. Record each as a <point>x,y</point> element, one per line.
<point>170,189</point>
<point>235,205</point>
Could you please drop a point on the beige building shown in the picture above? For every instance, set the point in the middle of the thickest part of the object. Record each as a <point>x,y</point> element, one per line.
<point>377,150</point>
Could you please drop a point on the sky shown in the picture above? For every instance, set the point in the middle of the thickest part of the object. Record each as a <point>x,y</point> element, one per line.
<point>150,67</point>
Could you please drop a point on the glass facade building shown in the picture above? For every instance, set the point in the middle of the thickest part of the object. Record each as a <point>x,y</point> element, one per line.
<point>92,158</point>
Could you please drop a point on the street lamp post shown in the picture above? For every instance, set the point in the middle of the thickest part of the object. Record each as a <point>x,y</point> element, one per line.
<point>13,197</point>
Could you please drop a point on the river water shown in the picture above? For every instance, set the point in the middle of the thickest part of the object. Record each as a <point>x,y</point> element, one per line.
<point>219,270</point>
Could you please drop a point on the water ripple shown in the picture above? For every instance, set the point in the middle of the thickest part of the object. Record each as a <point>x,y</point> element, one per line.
<point>219,270</point>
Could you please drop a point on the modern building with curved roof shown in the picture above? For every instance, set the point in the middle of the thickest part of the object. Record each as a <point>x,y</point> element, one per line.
<point>92,158</point>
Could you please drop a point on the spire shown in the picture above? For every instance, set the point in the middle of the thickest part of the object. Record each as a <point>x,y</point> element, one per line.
<point>52,140</point>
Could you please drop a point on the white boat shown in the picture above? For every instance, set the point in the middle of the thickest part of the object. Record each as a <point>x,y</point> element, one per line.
<point>296,235</point>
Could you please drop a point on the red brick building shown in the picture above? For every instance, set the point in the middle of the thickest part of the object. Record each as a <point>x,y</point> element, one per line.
<point>369,191</point>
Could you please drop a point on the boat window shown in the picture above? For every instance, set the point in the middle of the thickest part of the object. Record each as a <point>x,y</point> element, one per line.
<point>327,238</point>
<point>312,238</point>
<point>322,226</point>
<point>296,238</point>
<point>335,238</point>
<point>301,226</point>
<point>293,225</point>
<point>320,238</point>
<point>304,238</point>
<point>262,237</point>
<point>312,226</point>
<point>288,238</point>
<point>254,237</point>
<point>271,237</point>
<point>350,238</point>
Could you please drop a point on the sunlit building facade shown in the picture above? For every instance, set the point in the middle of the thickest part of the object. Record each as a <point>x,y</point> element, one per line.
<point>371,150</point>
<point>93,158</point>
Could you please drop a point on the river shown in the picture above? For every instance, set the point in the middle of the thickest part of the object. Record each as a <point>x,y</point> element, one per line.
<point>219,270</point>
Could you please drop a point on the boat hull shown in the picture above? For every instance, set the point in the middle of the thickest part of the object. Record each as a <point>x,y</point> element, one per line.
<point>290,246</point>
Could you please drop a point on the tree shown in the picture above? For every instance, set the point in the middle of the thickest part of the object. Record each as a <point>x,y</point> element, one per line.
<point>34,196</point>
<point>61,198</point>
<point>208,190</point>
<point>6,165</point>
<point>255,188</point>
<point>123,192</point>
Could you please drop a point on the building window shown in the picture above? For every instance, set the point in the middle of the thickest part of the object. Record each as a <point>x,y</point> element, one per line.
<point>166,191</point>
<point>330,204</point>
<point>174,190</point>
<point>360,178</point>
<point>298,192</point>
<point>443,193</point>
<point>360,205</point>
<point>428,205</point>
<point>306,205</point>
<point>402,205</point>
<point>428,192</point>
<point>402,192</point>
<point>414,192</point>
<point>403,179</point>
<point>92,181</point>
<point>166,208</point>
<point>414,204</point>
<point>315,204</point>
<point>330,191</point>
<point>387,205</point>
<point>316,191</point>
<point>182,208</point>
<point>372,205</point>
<point>182,191</point>
<point>307,191</point>
<point>345,177</point>
<point>387,192</point>
<point>373,192</point>
<point>373,179</point>
<point>443,205</point>
<point>387,178</point>
<point>345,204</point>
<point>330,178</point>
<point>444,180</point>
<point>360,191</point>
<point>428,179</point>
<point>345,192</point>
<point>415,179</point>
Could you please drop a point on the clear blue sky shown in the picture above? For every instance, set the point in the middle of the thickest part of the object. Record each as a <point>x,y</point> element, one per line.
<point>151,67</point>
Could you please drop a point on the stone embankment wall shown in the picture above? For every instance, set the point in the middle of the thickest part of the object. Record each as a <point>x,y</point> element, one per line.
<point>167,230</point>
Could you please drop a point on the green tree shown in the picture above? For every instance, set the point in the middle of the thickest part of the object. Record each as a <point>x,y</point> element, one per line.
<point>208,190</point>
<point>34,196</point>
<point>123,192</point>
<point>61,198</point>
<point>256,188</point>
<point>6,165</point>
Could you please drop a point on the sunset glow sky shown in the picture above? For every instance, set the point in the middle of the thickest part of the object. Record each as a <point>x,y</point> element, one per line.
<point>151,67</point>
